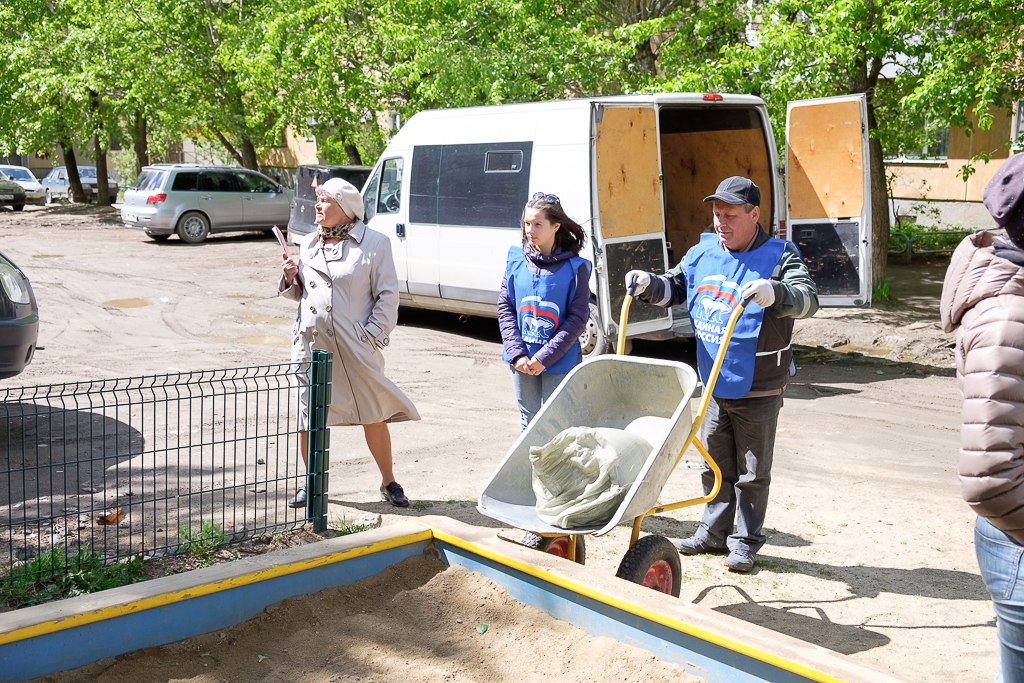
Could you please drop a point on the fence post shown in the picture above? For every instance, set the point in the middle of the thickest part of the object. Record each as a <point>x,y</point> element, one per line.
<point>319,439</point>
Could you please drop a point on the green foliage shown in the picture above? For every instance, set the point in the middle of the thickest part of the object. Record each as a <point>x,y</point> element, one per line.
<point>882,292</point>
<point>202,544</point>
<point>345,528</point>
<point>54,575</point>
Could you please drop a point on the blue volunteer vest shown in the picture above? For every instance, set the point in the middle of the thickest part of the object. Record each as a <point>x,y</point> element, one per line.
<point>714,279</point>
<point>542,302</point>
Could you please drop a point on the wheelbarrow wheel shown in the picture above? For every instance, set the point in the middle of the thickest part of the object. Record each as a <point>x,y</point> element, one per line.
<point>653,562</point>
<point>556,545</point>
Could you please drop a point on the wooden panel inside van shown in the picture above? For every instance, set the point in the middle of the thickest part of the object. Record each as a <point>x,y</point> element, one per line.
<point>819,185</point>
<point>626,167</point>
<point>694,163</point>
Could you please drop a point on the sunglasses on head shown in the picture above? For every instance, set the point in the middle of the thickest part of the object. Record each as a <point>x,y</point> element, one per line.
<point>549,198</point>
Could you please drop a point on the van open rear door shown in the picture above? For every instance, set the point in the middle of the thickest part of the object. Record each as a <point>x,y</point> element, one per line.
<point>828,195</point>
<point>628,210</point>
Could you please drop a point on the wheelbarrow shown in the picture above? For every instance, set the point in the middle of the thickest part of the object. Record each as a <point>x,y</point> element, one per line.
<point>647,397</point>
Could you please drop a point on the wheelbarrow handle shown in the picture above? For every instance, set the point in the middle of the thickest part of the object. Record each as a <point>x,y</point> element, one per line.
<point>631,289</point>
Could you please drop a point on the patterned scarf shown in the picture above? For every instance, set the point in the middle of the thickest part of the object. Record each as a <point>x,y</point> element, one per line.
<point>339,231</point>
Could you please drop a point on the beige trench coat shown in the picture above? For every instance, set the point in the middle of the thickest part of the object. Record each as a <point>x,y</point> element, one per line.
<point>348,305</point>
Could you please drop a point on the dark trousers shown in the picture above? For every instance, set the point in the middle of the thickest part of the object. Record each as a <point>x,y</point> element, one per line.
<point>740,436</point>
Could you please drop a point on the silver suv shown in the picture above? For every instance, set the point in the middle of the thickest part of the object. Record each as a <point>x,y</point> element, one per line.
<point>193,201</point>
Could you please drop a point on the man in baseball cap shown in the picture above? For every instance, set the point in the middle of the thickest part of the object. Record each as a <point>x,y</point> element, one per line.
<point>736,190</point>
<point>737,262</point>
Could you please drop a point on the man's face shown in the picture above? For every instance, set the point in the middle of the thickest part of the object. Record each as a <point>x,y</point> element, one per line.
<point>735,227</point>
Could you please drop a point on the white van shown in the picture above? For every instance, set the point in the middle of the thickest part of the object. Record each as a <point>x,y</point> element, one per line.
<point>633,170</point>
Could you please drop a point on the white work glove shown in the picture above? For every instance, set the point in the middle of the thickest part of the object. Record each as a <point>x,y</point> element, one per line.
<point>643,281</point>
<point>761,291</point>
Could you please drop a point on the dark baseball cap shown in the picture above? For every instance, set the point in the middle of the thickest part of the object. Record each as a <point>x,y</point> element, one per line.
<point>736,190</point>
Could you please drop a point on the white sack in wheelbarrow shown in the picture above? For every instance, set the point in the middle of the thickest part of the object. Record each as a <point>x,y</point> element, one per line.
<point>580,476</point>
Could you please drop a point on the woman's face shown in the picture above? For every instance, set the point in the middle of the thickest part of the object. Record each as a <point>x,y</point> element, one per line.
<point>328,213</point>
<point>540,232</point>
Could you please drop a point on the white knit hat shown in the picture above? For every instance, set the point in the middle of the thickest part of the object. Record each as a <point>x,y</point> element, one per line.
<point>344,195</point>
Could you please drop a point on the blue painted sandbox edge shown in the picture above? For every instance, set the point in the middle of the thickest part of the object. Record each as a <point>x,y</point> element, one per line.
<point>702,658</point>
<point>70,648</point>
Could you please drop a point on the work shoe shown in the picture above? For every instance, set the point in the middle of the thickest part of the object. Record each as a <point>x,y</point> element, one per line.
<point>298,500</point>
<point>739,561</point>
<point>697,546</point>
<point>394,494</point>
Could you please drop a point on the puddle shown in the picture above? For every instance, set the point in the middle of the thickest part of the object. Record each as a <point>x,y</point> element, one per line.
<point>126,303</point>
<point>875,351</point>
<point>270,341</point>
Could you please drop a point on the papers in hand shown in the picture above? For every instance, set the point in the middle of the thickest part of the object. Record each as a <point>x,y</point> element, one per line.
<point>281,241</point>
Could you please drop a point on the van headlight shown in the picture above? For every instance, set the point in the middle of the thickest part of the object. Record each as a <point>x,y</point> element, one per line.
<point>15,284</point>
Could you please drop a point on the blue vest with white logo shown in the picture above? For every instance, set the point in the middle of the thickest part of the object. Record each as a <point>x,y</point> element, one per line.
<point>714,279</point>
<point>542,302</point>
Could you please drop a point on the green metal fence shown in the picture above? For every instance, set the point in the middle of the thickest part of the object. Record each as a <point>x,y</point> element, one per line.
<point>137,466</point>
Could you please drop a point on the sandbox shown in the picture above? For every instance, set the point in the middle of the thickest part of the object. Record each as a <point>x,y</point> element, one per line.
<point>434,600</point>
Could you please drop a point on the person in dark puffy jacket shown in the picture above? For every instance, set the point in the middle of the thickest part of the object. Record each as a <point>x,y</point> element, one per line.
<point>983,301</point>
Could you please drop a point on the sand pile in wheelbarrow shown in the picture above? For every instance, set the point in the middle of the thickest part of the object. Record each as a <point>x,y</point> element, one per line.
<point>416,622</point>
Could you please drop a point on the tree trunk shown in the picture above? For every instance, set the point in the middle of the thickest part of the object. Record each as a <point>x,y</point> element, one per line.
<point>75,192</point>
<point>354,157</point>
<point>102,177</point>
<point>646,59</point>
<point>140,141</point>
<point>249,155</point>
<point>879,205</point>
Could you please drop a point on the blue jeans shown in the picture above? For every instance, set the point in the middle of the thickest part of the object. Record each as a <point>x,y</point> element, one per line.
<point>532,391</point>
<point>999,558</point>
<point>740,436</point>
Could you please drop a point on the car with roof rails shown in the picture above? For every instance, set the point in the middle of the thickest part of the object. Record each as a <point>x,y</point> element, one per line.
<point>34,193</point>
<point>193,201</point>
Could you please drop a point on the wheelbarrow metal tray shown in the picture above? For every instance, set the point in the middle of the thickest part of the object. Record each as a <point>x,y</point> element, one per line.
<point>645,396</point>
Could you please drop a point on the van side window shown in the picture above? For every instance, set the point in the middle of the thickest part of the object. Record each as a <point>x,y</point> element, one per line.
<point>370,196</point>
<point>389,199</point>
<point>475,184</point>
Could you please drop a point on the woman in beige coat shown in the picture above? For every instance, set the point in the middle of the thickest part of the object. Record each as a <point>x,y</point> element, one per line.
<point>344,280</point>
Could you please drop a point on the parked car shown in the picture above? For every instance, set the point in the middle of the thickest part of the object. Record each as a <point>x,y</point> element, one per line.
<point>34,193</point>
<point>19,319</point>
<point>300,222</point>
<point>11,194</point>
<point>194,201</point>
<point>56,184</point>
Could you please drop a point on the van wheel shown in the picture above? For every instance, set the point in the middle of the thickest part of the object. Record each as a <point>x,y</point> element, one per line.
<point>593,341</point>
<point>193,227</point>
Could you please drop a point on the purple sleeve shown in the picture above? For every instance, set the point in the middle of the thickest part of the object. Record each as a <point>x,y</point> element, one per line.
<point>508,322</point>
<point>572,326</point>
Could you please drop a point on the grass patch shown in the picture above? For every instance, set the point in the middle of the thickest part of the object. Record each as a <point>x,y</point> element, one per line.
<point>346,528</point>
<point>55,575</point>
<point>882,292</point>
<point>202,544</point>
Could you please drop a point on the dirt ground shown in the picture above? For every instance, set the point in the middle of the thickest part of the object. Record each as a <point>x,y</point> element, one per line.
<point>870,550</point>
